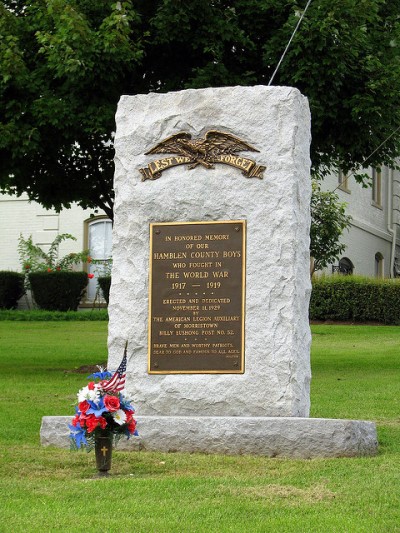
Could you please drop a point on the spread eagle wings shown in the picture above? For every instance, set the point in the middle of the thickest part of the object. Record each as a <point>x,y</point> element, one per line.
<point>214,143</point>
<point>172,145</point>
<point>218,142</point>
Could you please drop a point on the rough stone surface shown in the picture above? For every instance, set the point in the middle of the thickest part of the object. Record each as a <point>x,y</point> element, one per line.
<point>263,411</point>
<point>304,438</point>
<point>276,121</point>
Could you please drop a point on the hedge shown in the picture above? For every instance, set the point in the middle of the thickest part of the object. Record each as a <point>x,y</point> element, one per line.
<point>58,291</point>
<point>11,289</point>
<point>105,284</point>
<point>356,299</point>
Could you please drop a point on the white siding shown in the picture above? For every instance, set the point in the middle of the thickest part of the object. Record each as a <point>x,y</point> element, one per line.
<point>18,215</point>
<point>369,233</point>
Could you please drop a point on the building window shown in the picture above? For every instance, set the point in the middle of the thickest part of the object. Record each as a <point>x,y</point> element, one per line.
<point>345,267</point>
<point>396,268</point>
<point>376,188</point>
<point>343,181</point>
<point>99,245</point>
<point>379,265</point>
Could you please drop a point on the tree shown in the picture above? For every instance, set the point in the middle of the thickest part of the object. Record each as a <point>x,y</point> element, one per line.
<point>64,64</point>
<point>63,67</point>
<point>328,222</point>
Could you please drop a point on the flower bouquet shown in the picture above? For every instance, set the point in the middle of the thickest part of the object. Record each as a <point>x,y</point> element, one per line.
<point>102,410</point>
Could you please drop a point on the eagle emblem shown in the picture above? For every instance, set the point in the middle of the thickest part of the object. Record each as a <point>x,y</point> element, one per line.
<point>215,147</point>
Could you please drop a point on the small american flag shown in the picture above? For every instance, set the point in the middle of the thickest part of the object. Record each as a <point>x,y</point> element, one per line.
<point>117,381</point>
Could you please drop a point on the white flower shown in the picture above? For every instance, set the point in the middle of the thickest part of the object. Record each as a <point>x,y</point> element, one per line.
<point>87,394</point>
<point>120,417</point>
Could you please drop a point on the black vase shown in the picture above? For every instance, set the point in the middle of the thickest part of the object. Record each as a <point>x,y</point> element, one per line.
<point>103,451</point>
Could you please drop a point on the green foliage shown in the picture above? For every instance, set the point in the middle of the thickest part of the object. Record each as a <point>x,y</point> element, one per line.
<point>64,65</point>
<point>58,291</point>
<point>34,259</point>
<point>37,315</point>
<point>105,284</point>
<point>11,289</point>
<point>328,222</point>
<point>355,298</point>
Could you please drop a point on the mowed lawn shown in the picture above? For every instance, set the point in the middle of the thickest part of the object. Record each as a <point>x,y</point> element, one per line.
<point>355,375</point>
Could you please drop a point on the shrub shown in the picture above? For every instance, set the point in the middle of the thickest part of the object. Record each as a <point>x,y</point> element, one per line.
<point>58,291</point>
<point>105,284</point>
<point>34,259</point>
<point>11,289</point>
<point>355,298</point>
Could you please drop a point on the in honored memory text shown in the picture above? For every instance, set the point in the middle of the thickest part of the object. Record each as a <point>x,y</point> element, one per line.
<point>197,297</point>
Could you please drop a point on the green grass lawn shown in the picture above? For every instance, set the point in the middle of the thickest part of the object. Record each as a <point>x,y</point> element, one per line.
<point>355,375</point>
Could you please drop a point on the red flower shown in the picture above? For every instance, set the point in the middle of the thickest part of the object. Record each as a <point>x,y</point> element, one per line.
<point>91,385</point>
<point>82,419</point>
<point>58,268</point>
<point>75,420</point>
<point>84,406</point>
<point>129,415</point>
<point>111,403</point>
<point>90,276</point>
<point>49,270</point>
<point>27,267</point>
<point>102,421</point>
<point>132,426</point>
<point>89,259</point>
<point>92,422</point>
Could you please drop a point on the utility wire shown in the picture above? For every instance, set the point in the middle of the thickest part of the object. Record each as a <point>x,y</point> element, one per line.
<point>289,43</point>
<point>276,70</point>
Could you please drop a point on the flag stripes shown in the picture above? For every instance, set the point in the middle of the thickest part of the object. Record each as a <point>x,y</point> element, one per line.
<point>117,381</point>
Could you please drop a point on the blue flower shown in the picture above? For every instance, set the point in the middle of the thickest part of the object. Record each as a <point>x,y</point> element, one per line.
<point>96,409</point>
<point>78,435</point>
<point>125,403</point>
<point>100,375</point>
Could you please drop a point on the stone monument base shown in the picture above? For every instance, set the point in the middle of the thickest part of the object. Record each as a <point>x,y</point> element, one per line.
<point>298,438</point>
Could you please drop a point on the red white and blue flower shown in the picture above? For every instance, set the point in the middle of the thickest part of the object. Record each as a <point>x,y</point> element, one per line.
<point>101,408</point>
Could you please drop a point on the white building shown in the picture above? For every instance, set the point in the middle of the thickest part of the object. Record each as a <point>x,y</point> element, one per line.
<point>20,216</point>
<point>373,241</point>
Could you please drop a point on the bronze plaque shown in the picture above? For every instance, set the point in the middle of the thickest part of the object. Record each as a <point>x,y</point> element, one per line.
<point>197,297</point>
<point>214,147</point>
